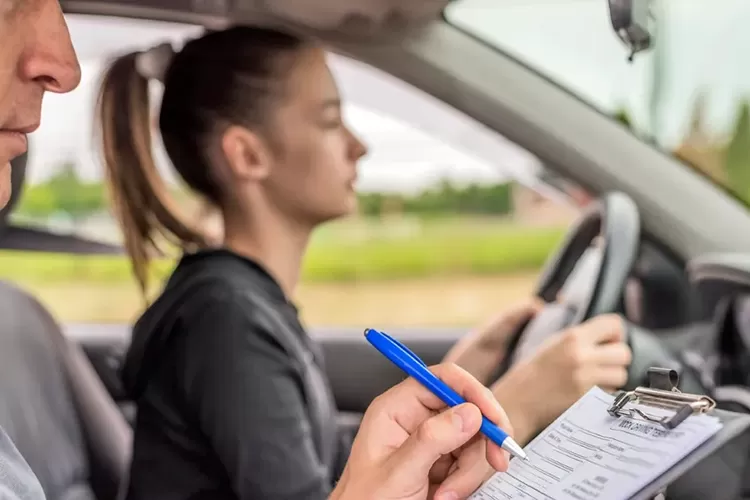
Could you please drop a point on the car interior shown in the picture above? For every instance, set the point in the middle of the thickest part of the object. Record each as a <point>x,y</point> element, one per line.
<point>677,270</point>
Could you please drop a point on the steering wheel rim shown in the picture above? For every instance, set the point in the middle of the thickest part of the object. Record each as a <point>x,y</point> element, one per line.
<point>614,217</point>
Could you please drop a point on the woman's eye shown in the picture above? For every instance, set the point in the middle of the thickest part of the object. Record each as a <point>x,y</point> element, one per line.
<point>332,121</point>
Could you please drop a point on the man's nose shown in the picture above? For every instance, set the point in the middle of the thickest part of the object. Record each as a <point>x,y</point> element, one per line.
<point>49,58</point>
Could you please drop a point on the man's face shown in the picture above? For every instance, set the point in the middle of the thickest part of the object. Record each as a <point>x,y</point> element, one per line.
<point>36,56</point>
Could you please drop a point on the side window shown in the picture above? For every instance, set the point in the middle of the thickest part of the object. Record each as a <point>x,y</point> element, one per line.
<point>453,221</point>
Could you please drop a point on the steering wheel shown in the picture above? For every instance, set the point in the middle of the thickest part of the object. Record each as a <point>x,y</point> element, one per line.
<point>586,277</point>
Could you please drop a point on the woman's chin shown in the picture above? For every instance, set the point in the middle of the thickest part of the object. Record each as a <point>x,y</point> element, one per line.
<point>344,210</point>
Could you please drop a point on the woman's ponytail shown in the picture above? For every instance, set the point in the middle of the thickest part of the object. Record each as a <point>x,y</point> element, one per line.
<point>148,215</point>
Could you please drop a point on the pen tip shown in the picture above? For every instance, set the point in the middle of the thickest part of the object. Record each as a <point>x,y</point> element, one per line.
<point>514,449</point>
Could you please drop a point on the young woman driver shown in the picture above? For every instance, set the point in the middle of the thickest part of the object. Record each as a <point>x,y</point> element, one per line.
<point>233,401</point>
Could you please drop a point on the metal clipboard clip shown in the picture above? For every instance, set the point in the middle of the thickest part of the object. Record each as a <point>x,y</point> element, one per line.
<point>662,392</point>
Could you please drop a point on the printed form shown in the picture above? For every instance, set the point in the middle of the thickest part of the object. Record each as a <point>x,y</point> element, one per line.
<point>587,454</point>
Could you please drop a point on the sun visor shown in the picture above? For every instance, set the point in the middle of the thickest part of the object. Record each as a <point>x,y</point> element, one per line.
<point>359,19</point>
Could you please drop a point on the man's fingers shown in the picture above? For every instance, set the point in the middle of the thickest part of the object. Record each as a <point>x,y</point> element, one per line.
<point>441,469</point>
<point>473,392</point>
<point>435,437</point>
<point>460,381</point>
<point>470,473</point>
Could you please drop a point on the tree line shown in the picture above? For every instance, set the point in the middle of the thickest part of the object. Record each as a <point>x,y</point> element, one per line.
<point>723,158</point>
<point>474,199</point>
<point>65,192</point>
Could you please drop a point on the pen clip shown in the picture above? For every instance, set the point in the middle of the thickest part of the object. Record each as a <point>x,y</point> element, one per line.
<point>405,350</point>
<point>396,345</point>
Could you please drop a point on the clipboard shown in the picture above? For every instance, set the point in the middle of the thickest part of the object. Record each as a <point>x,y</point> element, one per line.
<point>715,469</point>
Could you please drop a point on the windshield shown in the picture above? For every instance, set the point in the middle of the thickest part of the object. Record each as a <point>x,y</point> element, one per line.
<point>689,94</point>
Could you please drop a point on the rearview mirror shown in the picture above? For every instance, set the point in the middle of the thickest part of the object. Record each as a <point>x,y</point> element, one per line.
<point>630,20</point>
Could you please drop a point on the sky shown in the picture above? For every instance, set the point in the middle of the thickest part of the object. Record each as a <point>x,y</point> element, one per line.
<point>414,139</point>
<point>703,43</point>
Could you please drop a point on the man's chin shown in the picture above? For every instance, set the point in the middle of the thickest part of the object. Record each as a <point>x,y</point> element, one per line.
<point>5,184</point>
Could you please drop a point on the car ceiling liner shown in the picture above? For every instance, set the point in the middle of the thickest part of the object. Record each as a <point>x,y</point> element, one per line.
<point>355,19</point>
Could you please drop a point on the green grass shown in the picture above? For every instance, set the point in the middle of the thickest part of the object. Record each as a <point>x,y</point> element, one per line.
<point>396,272</point>
<point>438,249</point>
<point>345,252</point>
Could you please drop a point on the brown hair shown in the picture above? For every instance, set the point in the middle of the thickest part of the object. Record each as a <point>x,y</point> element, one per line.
<point>224,78</point>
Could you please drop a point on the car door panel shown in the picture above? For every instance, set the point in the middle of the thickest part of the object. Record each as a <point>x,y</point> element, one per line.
<point>358,373</point>
<point>105,347</point>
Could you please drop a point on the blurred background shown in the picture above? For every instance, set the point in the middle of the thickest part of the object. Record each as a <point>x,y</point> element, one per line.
<point>454,222</point>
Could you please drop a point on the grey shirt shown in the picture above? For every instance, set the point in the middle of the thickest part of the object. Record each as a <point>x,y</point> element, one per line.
<point>17,481</point>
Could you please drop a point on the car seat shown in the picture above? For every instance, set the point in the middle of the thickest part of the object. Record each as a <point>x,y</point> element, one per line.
<point>54,406</point>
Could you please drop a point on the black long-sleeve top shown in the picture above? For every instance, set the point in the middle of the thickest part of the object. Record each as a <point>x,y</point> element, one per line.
<point>233,402</point>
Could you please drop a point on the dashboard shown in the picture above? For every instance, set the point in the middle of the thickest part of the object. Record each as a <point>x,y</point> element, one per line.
<point>717,277</point>
<point>659,294</point>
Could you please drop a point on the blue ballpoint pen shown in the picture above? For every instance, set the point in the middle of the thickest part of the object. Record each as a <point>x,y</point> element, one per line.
<point>410,363</point>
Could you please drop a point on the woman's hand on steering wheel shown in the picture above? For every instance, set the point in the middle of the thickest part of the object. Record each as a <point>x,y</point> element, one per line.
<point>536,390</point>
<point>481,351</point>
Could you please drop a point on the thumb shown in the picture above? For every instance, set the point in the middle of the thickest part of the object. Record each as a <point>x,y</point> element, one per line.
<point>524,310</point>
<point>437,436</point>
<point>511,318</point>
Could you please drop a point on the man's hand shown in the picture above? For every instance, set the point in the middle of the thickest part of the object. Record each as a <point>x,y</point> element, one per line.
<point>537,390</point>
<point>410,447</point>
<point>481,351</point>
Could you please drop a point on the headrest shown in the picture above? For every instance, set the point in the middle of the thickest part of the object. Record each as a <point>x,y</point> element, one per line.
<point>18,175</point>
<point>39,239</point>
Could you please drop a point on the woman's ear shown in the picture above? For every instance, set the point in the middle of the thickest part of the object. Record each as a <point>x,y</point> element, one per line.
<point>246,154</point>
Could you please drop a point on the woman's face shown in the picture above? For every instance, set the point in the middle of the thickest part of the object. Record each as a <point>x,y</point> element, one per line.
<point>315,155</point>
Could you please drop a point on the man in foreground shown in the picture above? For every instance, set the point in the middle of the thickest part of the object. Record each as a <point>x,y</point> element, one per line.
<point>36,56</point>
<point>409,445</point>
